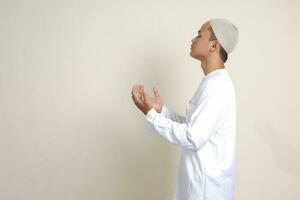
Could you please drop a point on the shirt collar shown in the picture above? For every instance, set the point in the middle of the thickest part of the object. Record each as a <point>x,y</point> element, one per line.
<point>214,72</point>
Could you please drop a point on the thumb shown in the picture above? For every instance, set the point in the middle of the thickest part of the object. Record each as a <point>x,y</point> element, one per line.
<point>155,91</point>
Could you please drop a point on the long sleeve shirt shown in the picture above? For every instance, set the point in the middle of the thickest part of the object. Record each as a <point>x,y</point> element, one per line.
<point>206,136</point>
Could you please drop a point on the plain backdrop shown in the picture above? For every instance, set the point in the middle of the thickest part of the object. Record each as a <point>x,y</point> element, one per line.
<point>70,131</point>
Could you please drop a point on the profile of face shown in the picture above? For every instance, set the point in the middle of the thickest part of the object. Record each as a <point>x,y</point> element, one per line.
<point>201,46</point>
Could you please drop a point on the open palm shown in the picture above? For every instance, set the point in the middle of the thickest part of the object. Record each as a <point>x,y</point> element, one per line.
<point>144,102</point>
<point>155,102</point>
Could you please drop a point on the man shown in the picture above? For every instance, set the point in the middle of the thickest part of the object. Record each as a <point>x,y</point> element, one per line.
<point>207,134</point>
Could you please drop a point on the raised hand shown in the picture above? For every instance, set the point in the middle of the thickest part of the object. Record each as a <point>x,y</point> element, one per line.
<point>144,102</point>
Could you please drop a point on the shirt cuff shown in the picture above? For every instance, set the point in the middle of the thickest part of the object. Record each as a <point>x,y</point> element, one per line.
<point>164,110</point>
<point>151,114</point>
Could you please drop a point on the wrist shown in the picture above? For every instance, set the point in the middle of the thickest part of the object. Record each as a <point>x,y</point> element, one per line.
<point>147,110</point>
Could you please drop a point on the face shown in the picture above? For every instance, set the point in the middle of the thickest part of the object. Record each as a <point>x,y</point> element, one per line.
<point>201,46</point>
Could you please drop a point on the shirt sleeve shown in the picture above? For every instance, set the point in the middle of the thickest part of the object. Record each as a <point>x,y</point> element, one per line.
<point>169,113</point>
<point>195,133</point>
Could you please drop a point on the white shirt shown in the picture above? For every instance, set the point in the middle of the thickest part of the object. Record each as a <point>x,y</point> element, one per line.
<point>207,137</point>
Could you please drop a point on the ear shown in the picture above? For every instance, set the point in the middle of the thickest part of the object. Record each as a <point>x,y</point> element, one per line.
<point>215,45</point>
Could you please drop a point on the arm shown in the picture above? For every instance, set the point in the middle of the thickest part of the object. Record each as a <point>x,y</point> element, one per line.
<point>168,113</point>
<point>195,133</point>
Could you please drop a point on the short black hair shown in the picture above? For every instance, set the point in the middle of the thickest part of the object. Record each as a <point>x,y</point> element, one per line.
<point>223,53</point>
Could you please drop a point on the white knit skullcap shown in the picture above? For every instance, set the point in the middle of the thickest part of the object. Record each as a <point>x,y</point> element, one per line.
<point>226,32</point>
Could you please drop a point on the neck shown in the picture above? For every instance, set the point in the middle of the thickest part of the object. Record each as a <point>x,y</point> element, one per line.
<point>211,65</point>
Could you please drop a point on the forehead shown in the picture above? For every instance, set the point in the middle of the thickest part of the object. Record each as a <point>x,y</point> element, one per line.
<point>204,28</point>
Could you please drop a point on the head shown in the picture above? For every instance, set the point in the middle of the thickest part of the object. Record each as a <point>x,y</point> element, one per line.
<point>206,46</point>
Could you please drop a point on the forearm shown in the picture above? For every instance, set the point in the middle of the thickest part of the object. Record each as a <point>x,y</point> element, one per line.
<point>169,113</point>
<point>174,132</point>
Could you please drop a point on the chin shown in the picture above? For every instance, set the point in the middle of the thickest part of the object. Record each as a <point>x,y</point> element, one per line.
<point>191,52</point>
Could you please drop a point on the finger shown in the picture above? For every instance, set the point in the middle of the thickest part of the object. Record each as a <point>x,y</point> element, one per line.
<point>136,98</point>
<point>134,89</point>
<point>135,92</point>
<point>140,89</point>
<point>144,94</point>
<point>141,92</point>
<point>155,91</point>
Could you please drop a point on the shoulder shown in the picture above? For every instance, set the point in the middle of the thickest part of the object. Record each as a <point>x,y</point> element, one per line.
<point>219,83</point>
<point>220,88</point>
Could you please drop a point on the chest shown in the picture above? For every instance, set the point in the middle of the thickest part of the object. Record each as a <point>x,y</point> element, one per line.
<point>193,103</point>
